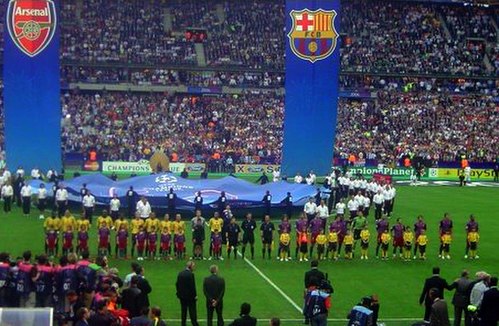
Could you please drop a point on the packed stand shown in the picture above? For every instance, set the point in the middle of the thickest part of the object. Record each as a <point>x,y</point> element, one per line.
<point>131,126</point>
<point>251,36</point>
<point>401,38</point>
<point>434,125</point>
<point>193,14</point>
<point>464,22</point>
<point>123,32</point>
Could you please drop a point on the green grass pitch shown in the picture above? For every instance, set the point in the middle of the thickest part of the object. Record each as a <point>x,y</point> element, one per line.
<point>397,283</point>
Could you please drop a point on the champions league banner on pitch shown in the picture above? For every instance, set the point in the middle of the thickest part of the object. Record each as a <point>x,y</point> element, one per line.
<point>31,80</point>
<point>312,72</point>
<point>239,193</point>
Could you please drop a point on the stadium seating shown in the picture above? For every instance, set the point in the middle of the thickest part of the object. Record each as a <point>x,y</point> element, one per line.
<point>415,56</point>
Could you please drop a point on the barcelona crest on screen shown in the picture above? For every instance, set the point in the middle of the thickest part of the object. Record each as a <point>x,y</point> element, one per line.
<point>313,36</point>
<point>31,24</point>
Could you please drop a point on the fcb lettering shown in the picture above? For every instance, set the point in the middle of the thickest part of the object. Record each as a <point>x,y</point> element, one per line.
<point>31,24</point>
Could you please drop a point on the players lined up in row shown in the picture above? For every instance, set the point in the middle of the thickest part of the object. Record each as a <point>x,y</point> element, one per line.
<point>156,239</point>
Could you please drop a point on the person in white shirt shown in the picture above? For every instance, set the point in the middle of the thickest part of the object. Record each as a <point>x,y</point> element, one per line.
<point>26,193</point>
<point>323,212</point>
<point>356,185</point>
<point>340,208</point>
<point>298,178</point>
<point>467,175</point>
<point>42,200</point>
<point>378,201</point>
<point>36,174</point>
<point>6,175</point>
<point>310,209</point>
<point>360,201</point>
<point>367,206</point>
<point>351,187</point>
<point>88,202</point>
<point>276,175</point>
<point>7,193</point>
<point>143,208</point>
<point>353,206</point>
<point>310,179</point>
<point>388,195</point>
<point>114,207</point>
<point>61,199</point>
<point>414,179</point>
<point>20,171</point>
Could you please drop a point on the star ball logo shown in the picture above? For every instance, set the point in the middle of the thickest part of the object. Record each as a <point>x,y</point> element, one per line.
<point>313,36</point>
<point>31,24</point>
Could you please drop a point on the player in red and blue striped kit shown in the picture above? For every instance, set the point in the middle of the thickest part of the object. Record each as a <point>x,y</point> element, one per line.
<point>216,244</point>
<point>104,243</point>
<point>122,242</point>
<point>152,239</point>
<point>67,243</point>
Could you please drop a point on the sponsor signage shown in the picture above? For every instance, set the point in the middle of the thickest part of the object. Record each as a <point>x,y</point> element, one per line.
<point>257,168</point>
<point>143,167</point>
<point>453,174</point>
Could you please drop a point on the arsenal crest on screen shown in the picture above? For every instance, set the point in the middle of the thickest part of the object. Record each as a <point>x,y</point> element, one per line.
<point>31,24</point>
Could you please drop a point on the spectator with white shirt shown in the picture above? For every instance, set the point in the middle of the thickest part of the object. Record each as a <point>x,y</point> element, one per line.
<point>88,202</point>
<point>42,200</point>
<point>366,205</point>
<point>388,196</point>
<point>479,288</point>
<point>310,179</point>
<point>7,194</point>
<point>26,193</point>
<point>114,207</point>
<point>310,209</point>
<point>144,208</point>
<point>61,200</point>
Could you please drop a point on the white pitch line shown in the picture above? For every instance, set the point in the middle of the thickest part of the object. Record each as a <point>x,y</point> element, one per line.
<point>278,289</point>
<point>301,320</point>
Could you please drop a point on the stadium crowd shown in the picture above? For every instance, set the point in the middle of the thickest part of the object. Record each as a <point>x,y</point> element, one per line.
<point>130,126</point>
<point>200,128</point>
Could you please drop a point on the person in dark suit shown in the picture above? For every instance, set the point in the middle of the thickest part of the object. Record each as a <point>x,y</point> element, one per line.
<point>214,290</point>
<point>131,299</point>
<point>489,312</point>
<point>244,317</point>
<point>435,281</point>
<point>439,314</point>
<point>313,279</point>
<point>461,299</point>
<point>186,293</point>
<point>144,287</point>
<point>314,276</point>
<point>82,315</point>
<point>142,320</point>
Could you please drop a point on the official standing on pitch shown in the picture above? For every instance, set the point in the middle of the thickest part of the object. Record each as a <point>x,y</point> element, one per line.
<point>131,199</point>
<point>313,278</point>
<point>214,290</point>
<point>186,293</point>
<point>88,206</point>
<point>437,282</point>
<point>26,198</point>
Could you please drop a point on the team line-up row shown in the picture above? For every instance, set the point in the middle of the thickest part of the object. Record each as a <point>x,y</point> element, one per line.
<point>166,238</point>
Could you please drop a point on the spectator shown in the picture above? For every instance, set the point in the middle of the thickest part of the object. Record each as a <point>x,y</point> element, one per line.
<point>131,298</point>
<point>244,317</point>
<point>143,319</point>
<point>439,315</point>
